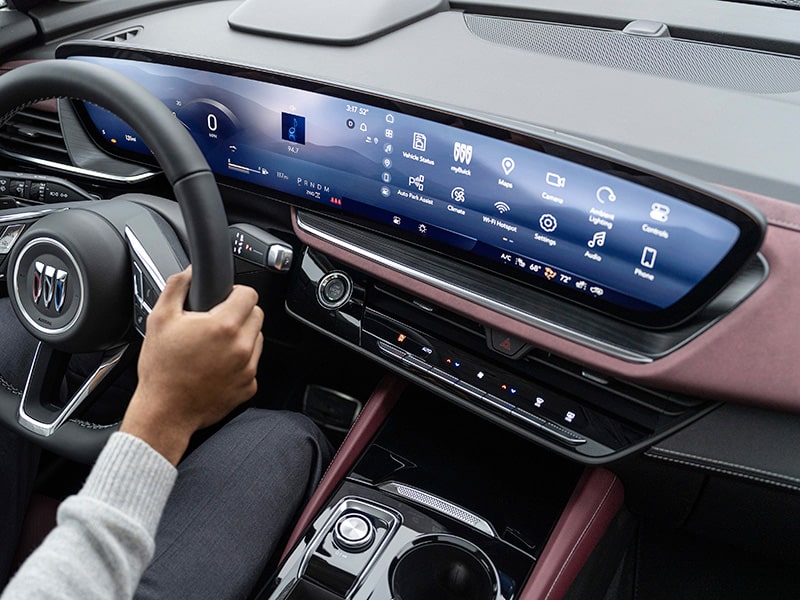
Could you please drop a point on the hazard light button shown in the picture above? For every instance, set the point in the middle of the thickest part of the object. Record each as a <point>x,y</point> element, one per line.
<point>506,344</point>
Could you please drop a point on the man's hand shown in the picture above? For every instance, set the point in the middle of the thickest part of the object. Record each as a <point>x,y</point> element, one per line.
<point>195,367</point>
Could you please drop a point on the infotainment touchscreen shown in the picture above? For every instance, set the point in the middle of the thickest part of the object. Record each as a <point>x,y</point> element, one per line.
<point>622,240</point>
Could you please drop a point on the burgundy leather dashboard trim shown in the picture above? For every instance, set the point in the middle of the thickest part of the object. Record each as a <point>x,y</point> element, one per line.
<point>727,362</point>
<point>380,403</point>
<point>597,497</point>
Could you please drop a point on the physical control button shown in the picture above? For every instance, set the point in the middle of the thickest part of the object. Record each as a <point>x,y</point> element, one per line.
<point>9,236</point>
<point>18,188</point>
<point>5,185</point>
<point>506,344</point>
<point>353,532</point>
<point>334,290</point>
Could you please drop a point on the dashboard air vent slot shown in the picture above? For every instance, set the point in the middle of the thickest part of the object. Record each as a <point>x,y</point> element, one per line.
<point>34,133</point>
<point>122,36</point>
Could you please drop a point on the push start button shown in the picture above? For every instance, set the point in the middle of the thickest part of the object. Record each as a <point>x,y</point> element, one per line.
<point>334,290</point>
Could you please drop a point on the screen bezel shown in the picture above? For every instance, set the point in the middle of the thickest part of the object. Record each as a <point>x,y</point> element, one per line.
<point>748,220</point>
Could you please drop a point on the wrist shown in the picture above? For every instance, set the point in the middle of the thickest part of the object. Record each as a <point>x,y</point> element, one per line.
<point>160,430</point>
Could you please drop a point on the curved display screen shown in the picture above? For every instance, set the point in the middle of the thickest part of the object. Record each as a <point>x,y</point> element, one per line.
<point>603,234</point>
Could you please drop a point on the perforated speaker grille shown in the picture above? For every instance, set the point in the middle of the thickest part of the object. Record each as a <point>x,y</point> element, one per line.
<point>706,64</point>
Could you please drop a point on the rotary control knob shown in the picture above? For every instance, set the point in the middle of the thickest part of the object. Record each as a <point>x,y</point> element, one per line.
<point>334,290</point>
<point>353,532</point>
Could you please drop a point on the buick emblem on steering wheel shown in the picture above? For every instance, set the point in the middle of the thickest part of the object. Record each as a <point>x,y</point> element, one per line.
<point>50,284</point>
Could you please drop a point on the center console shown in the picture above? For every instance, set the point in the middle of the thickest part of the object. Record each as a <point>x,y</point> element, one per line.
<point>436,504</point>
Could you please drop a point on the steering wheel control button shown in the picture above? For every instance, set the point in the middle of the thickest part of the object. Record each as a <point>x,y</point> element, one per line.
<point>9,236</point>
<point>334,290</point>
<point>353,532</point>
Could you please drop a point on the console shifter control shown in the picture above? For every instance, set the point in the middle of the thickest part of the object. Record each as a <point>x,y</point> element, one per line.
<point>353,532</point>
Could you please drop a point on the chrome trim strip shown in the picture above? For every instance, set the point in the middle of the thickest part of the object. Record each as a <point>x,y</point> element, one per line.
<point>504,309</point>
<point>48,429</point>
<point>23,216</point>
<point>72,170</point>
<point>17,292</point>
<point>144,257</point>
<point>439,505</point>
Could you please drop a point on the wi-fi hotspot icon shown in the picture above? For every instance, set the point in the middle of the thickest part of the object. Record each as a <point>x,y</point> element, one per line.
<point>502,207</point>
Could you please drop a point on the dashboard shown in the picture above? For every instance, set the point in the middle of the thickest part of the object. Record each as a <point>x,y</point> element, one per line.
<point>618,237</point>
<point>576,225</point>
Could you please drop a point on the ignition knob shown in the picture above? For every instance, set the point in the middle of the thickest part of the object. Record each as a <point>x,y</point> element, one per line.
<point>334,290</point>
<point>353,532</point>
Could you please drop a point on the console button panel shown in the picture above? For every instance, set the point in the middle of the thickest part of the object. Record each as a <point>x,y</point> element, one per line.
<point>590,418</point>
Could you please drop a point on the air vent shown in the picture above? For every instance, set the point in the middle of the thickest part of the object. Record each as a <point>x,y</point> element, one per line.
<point>34,133</point>
<point>123,36</point>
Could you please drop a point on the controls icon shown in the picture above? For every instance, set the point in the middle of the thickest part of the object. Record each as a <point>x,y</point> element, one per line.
<point>508,165</point>
<point>556,180</point>
<point>659,212</point>
<point>389,133</point>
<point>420,141</point>
<point>605,194</point>
<point>548,223</point>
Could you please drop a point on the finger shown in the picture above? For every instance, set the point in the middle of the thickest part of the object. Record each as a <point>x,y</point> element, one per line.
<point>258,347</point>
<point>175,291</point>
<point>255,321</point>
<point>238,304</point>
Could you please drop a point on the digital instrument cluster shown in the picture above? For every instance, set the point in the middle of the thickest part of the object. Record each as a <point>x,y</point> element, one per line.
<point>620,240</point>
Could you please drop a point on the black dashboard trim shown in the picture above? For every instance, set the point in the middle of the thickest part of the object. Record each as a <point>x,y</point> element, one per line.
<point>583,326</point>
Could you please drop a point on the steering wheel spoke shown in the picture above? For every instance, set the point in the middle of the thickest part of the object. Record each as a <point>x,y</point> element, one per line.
<point>40,410</point>
<point>69,268</point>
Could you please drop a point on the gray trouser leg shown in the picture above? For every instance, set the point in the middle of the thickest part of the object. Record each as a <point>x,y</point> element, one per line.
<point>235,497</point>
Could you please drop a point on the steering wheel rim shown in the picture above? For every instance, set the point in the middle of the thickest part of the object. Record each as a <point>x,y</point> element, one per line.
<point>186,170</point>
<point>184,165</point>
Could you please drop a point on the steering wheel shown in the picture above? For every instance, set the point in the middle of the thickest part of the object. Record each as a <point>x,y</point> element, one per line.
<point>82,277</point>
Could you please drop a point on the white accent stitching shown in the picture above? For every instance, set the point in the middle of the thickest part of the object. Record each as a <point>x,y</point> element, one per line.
<point>726,472</point>
<point>724,463</point>
<point>580,539</point>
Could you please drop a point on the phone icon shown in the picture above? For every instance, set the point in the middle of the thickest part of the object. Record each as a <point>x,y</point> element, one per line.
<point>649,257</point>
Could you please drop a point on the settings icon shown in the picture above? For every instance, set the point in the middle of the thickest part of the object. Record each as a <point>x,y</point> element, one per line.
<point>548,223</point>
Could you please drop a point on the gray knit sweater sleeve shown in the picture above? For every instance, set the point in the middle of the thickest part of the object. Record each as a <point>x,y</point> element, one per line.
<point>105,534</point>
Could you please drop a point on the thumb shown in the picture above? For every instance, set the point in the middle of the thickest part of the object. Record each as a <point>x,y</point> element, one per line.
<point>177,288</point>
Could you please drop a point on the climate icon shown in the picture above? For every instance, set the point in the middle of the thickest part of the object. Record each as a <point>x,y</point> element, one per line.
<point>502,207</point>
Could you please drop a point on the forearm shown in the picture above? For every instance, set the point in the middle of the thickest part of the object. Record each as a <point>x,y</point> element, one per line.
<point>104,538</point>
